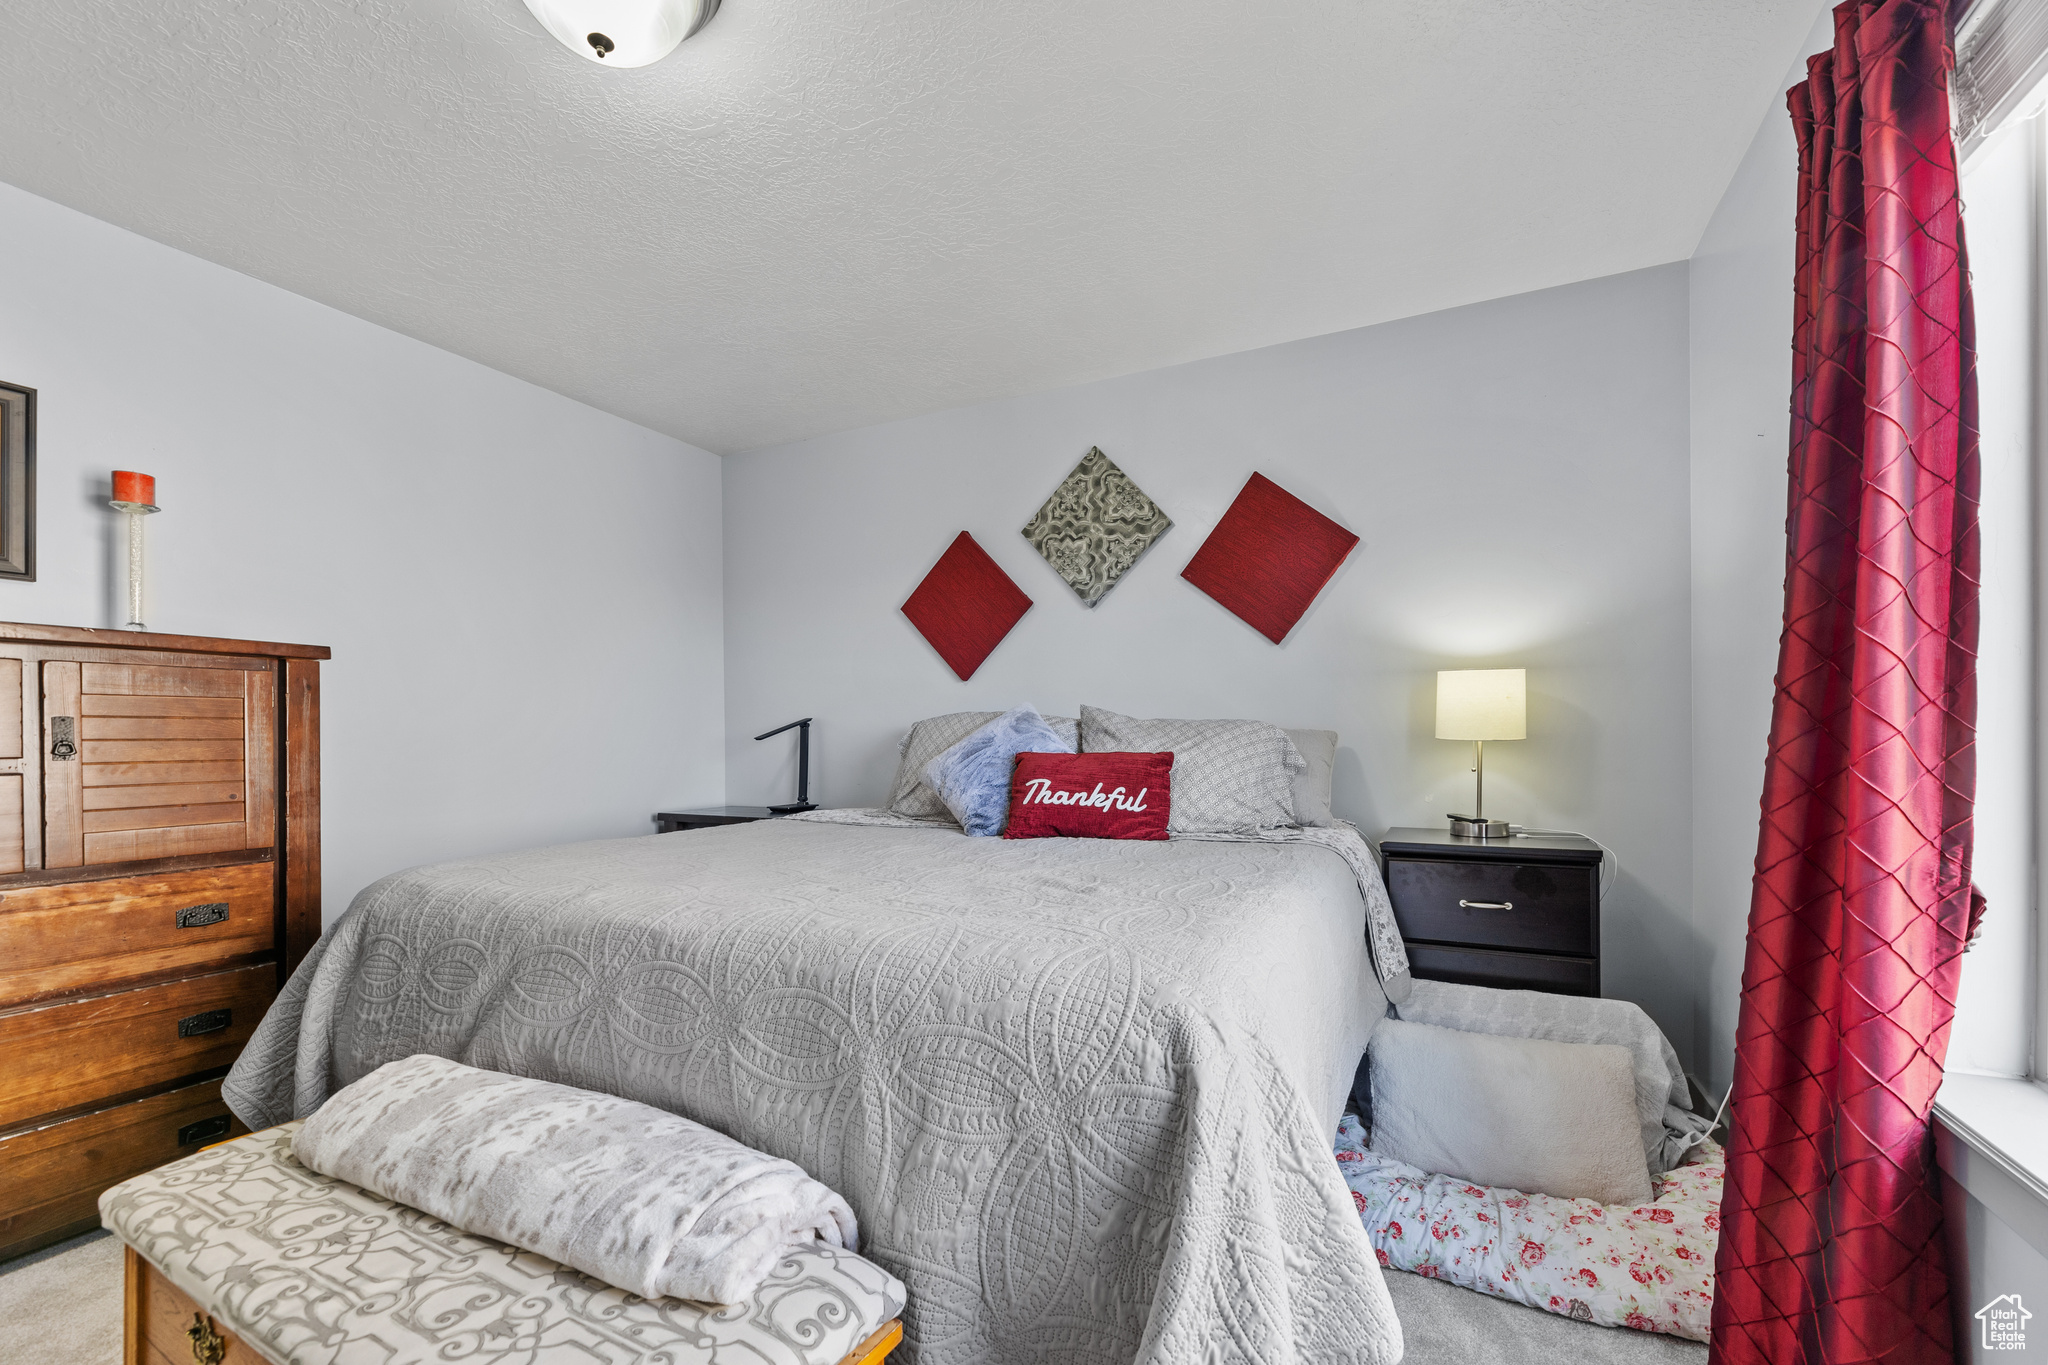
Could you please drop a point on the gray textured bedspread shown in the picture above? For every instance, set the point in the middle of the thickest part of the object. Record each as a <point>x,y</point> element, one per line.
<point>1079,1092</point>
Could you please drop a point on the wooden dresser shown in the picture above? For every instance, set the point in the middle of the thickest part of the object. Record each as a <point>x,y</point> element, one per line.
<point>159,877</point>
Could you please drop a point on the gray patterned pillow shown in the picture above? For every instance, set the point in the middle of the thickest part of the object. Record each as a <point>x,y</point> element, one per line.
<point>909,796</point>
<point>1228,775</point>
<point>1318,748</point>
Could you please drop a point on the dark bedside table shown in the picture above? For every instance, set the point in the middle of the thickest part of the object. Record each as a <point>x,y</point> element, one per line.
<point>669,821</point>
<point>1518,913</point>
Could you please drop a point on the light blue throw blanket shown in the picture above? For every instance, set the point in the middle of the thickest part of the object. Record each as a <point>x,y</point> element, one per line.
<point>973,777</point>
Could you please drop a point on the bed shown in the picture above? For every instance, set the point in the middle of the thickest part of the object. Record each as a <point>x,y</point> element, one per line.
<point>1079,1092</point>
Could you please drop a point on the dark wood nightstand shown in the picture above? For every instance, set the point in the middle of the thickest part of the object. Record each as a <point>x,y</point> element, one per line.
<point>669,821</point>
<point>1520,913</point>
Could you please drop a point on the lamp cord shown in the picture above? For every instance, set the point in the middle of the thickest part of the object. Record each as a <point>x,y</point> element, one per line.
<point>1610,861</point>
<point>1697,1138</point>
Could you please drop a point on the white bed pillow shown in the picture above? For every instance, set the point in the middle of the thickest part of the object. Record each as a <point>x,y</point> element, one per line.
<point>1229,776</point>
<point>909,796</point>
<point>1525,1114</point>
<point>1660,1080</point>
<point>1318,749</point>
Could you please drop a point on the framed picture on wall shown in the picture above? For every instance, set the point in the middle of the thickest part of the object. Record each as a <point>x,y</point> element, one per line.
<point>17,482</point>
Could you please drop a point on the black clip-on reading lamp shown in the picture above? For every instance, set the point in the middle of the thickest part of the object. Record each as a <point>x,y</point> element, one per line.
<point>803,766</point>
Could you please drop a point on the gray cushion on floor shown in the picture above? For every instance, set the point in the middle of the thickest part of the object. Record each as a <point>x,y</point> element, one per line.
<point>1522,1114</point>
<point>1445,1324</point>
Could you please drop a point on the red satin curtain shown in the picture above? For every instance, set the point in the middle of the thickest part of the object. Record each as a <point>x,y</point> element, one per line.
<point>1831,1244</point>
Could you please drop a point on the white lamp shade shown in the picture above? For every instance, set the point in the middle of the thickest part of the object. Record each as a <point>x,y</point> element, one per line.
<point>622,32</point>
<point>1482,703</point>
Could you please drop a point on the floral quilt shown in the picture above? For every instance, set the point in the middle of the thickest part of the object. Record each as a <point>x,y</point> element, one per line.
<point>1650,1267</point>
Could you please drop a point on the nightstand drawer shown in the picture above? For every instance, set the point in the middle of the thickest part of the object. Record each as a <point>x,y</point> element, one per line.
<point>1534,907</point>
<point>1505,971</point>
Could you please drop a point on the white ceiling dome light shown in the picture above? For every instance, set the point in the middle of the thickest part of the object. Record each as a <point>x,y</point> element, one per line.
<point>623,32</point>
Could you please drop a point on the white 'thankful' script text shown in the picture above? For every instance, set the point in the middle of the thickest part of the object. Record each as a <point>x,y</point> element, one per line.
<point>1039,791</point>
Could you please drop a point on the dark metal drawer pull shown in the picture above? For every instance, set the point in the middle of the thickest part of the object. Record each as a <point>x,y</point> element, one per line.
<point>205,1130</point>
<point>199,916</point>
<point>1486,905</point>
<point>63,738</point>
<point>212,1021</point>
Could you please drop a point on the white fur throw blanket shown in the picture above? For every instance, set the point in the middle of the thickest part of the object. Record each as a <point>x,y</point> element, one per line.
<point>641,1199</point>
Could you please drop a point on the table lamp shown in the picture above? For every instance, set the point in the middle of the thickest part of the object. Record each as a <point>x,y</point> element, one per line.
<point>1481,704</point>
<point>803,800</point>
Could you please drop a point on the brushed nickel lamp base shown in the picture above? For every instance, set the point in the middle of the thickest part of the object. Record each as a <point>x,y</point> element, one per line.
<point>1479,704</point>
<point>1476,825</point>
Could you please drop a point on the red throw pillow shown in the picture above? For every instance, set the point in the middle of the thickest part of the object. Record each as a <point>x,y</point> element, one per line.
<point>1090,796</point>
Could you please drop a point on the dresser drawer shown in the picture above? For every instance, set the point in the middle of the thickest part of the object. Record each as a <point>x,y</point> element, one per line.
<point>1550,906</point>
<point>163,1314</point>
<point>78,1052</point>
<point>51,1178</point>
<point>1505,971</point>
<point>60,940</point>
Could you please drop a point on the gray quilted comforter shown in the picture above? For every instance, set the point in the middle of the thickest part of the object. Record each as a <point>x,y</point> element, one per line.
<point>1080,1093</point>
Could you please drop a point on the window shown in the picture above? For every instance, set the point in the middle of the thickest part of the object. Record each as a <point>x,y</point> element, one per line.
<point>1999,98</point>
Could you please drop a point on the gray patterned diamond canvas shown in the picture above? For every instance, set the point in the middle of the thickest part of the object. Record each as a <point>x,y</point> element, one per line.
<point>1095,526</point>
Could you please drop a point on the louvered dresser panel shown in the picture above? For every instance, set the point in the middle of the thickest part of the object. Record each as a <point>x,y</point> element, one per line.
<point>159,878</point>
<point>171,761</point>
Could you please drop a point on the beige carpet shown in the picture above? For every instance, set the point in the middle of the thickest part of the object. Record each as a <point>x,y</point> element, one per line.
<point>64,1300</point>
<point>1446,1325</point>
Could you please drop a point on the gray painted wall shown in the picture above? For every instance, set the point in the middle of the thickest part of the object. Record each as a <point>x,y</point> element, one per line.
<point>1741,330</point>
<point>1988,1259</point>
<point>1741,339</point>
<point>522,593</point>
<point>1995,1222</point>
<point>1518,473</point>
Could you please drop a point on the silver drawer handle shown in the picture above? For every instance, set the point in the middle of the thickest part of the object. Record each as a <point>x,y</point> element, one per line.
<point>1486,905</point>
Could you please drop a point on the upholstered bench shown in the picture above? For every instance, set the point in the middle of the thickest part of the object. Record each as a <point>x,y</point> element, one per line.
<point>239,1255</point>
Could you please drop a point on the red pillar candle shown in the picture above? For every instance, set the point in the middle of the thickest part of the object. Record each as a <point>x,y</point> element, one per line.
<point>130,487</point>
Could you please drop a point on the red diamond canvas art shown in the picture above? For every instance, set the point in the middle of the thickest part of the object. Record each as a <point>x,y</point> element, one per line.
<point>965,606</point>
<point>1269,557</point>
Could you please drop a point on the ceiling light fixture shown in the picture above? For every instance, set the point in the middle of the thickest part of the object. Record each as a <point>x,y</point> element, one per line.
<point>622,32</point>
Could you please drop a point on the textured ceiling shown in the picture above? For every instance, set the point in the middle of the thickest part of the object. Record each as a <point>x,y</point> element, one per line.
<point>823,213</point>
